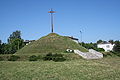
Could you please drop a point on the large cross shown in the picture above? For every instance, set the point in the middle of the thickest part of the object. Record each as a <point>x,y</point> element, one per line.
<point>52,19</point>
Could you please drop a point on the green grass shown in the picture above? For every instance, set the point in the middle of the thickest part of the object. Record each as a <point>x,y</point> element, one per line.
<point>103,69</point>
<point>51,43</point>
<point>25,57</point>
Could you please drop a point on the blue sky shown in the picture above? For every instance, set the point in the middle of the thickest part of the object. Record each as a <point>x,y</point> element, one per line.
<point>97,19</point>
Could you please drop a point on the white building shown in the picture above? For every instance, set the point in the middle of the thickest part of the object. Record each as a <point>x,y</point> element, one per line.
<point>106,46</point>
<point>28,41</point>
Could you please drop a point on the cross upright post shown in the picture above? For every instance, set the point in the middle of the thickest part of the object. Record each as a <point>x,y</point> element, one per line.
<point>52,26</point>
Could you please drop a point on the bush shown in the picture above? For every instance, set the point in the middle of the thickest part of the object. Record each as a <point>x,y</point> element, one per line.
<point>107,54</point>
<point>39,57</point>
<point>58,57</point>
<point>110,54</point>
<point>116,53</point>
<point>54,57</point>
<point>99,49</point>
<point>33,58</point>
<point>13,58</point>
<point>1,59</point>
<point>48,57</point>
<point>116,47</point>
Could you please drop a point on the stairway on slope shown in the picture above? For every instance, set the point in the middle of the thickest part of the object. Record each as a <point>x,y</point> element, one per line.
<point>92,54</point>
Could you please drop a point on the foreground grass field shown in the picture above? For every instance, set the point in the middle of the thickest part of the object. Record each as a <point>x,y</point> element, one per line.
<point>104,69</point>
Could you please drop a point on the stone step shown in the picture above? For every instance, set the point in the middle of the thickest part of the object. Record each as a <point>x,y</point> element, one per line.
<point>92,54</point>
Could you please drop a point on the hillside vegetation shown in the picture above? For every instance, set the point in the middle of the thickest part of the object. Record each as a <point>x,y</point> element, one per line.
<point>51,43</point>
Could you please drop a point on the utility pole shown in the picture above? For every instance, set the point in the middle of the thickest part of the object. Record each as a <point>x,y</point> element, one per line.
<point>52,26</point>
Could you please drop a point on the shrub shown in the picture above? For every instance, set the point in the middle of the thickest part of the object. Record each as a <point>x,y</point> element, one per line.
<point>116,53</point>
<point>1,59</point>
<point>39,57</point>
<point>99,49</point>
<point>110,54</point>
<point>107,54</point>
<point>54,57</point>
<point>13,58</point>
<point>33,58</point>
<point>116,47</point>
<point>48,57</point>
<point>58,57</point>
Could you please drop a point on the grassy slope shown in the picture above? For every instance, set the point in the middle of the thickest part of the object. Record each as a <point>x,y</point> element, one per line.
<point>103,69</point>
<point>25,57</point>
<point>51,43</point>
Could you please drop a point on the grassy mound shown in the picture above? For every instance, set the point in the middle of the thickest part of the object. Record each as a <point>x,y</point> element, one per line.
<point>51,43</point>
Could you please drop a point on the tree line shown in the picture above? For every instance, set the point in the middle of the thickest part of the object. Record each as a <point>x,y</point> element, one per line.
<point>14,43</point>
<point>116,48</point>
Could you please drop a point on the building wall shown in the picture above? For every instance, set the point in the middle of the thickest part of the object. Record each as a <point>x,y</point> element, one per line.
<point>106,47</point>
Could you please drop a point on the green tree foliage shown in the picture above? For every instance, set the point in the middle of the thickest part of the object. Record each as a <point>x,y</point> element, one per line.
<point>14,35</point>
<point>91,46</point>
<point>3,48</point>
<point>33,58</point>
<point>13,58</point>
<point>17,44</point>
<point>99,49</point>
<point>116,48</point>
<point>14,43</point>
<point>99,41</point>
<point>0,42</point>
<point>111,41</point>
<point>6,48</point>
<point>0,46</point>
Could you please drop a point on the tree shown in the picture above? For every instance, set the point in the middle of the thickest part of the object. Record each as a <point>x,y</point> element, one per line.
<point>14,35</point>
<point>92,46</point>
<point>0,46</point>
<point>116,48</point>
<point>111,41</point>
<point>17,44</point>
<point>89,45</point>
<point>14,43</point>
<point>99,41</point>
<point>0,42</point>
<point>5,48</point>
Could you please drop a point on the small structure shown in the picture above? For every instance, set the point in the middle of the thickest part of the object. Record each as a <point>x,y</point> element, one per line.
<point>107,46</point>
<point>74,39</point>
<point>28,41</point>
<point>69,51</point>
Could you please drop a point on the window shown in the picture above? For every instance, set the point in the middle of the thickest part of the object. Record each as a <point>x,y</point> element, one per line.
<point>107,46</point>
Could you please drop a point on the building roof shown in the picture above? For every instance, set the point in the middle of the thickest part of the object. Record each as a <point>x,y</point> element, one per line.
<point>27,41</point>
<point>71,37</point>
<point>105,42</point>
